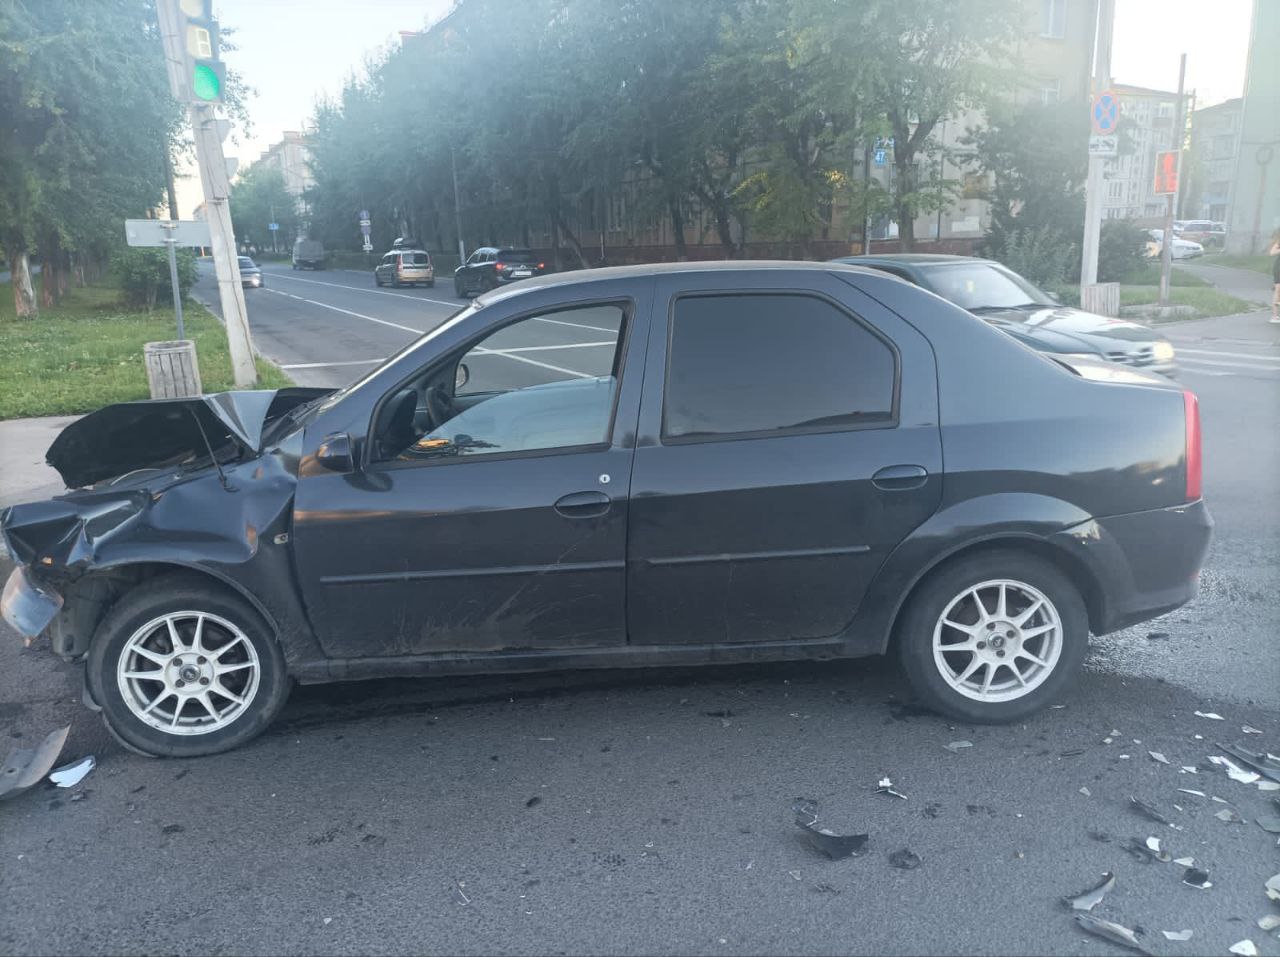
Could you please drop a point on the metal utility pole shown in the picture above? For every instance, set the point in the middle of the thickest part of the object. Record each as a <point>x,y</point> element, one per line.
<point>1093,189</point>
<point>1175,143</point>
<point>209,132</point>
<point>457,212</point>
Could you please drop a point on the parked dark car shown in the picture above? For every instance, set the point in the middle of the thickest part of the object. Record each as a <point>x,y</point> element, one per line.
<point>490,267</point>
<point>661,465</point>
<point>250,273</point>
<point>1016,306</point>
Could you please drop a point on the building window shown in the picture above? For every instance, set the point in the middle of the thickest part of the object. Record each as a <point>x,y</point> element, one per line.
<point>1050,90</point>
<point>1223,146</point>
<point>1053,18</point>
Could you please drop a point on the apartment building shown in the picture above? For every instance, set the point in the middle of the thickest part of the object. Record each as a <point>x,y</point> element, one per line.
<point>291,156</point>
<point>1146,127</point>
<point>1215,150</point>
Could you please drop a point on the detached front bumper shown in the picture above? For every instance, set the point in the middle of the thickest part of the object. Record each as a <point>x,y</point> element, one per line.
<point>28,605</point>
<point>1144,564</point>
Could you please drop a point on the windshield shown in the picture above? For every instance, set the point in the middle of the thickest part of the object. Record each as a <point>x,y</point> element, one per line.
<point>246,263</point>
<point>981,285</point>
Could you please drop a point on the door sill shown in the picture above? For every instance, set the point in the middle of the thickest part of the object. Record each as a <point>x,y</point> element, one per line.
<point>529,660</point>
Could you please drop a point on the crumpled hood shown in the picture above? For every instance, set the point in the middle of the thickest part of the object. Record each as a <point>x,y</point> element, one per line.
<point>1075,322</point>
<point>160,433</point>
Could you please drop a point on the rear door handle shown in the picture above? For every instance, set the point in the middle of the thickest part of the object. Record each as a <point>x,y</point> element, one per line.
<point>583,504</point>
<point>898,478</point>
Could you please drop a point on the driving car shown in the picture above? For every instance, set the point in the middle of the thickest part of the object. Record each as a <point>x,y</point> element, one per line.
<point>490,267</point>
<point>405,267</point>
<point>1018,307</point>
<point>250,273</point>
<point>1182,248</point>
<point>690,463</point>
<point>308,254</point>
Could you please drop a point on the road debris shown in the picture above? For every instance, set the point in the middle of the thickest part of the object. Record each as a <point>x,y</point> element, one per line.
<point>1086,792</point>
<point>1193,791</point>
<point>1234,771</point>
<point>1245,948</point>
<point>1144,851</point>
<point>1269,823</point>
<point>1088,900</point>
<point>1176,934</point>
<point>1211,715</point>
<point>1157,756</point>
<point>1248,729</point>
<point>1110,931</point>
<point>885,786</point>
<point>1157,635</point>
<point>1229,816</point>
<point>1189,769</point>
<point>1153,845</point>
<point>69,775</point>
<point>835,846</point>
<point>1267,765</point>
<point>1270,922</point>
<point>958,745</point>
<point>1146,810</point>
<point>1273,887</point>
<point>1185,861</point>
<point>24,767</point>
<point>1197,878</point>
<point>905,859</point>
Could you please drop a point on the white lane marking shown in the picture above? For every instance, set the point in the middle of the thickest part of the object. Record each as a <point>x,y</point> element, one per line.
<point>328,365</point>
<point>567,345</point>
<point>577,325</point>
<point>376,292</point>
<point>1232,365</point>
<point>1230,355</point>
<point>358,315</point>
<point>479,350</point>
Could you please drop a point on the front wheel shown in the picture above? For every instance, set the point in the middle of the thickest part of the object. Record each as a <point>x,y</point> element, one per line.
<point>183,668</point>
<point>994,638</point>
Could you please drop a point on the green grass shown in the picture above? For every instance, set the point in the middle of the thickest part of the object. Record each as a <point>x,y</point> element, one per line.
<point>1148,274</point>
<point>1260,264</point>
<point>87,353</point>
<point>1206,300</point>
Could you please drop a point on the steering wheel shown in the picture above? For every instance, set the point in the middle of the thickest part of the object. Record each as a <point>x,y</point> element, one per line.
<point>439,404</point>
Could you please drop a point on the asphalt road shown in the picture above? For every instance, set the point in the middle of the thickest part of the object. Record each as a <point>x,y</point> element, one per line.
<point>648,812</point>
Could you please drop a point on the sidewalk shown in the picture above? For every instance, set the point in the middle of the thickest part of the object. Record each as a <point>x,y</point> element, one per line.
<point>1241,283</point>
<point>23,443</point>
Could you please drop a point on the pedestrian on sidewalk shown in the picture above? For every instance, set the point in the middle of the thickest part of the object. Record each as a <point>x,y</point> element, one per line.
<point>1274,253</point>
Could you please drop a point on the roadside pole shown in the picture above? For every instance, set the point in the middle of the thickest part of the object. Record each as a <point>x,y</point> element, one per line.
<point>457,211</point>
<point>1175,143</point>
<point>1093,190</point>
<point>209,132</point>
<point>171,245</point>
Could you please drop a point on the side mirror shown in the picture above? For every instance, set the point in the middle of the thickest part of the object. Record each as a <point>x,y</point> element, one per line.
<point>334,453</point>
<point>462,377</point>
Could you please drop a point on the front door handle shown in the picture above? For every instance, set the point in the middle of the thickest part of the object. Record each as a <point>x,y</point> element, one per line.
<point>583,504</point>
<point>898,478</point>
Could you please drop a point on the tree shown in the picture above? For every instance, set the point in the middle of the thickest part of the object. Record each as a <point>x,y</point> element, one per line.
<point>259,198</point>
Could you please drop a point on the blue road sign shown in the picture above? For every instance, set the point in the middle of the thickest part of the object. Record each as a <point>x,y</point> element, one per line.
<point>879,157</point>
<point>1104,115</point>
<point>273,226</point>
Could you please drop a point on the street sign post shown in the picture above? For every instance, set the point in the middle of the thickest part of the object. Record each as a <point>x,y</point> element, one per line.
<point>170,234</point>
<point>273,226</point>
<point>365,225</point>
<point>1101,145</point>
<point>1104,113</point>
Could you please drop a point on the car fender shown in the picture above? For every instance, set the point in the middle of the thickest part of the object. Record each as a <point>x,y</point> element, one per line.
<point>1012,517</point>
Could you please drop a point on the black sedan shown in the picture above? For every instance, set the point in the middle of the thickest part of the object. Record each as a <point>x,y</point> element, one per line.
<point>490,267</point>
<point>662,465</point>
<point>1016,306</point>
<point>250,273</point>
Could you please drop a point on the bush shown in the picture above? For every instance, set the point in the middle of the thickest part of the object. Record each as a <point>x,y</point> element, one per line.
<point>144,273</point>
<point>1040,253</point>
<point>1120,249</point>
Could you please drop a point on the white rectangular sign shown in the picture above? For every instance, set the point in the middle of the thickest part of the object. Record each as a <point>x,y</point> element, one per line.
<point>1103,145</point>
<point>158,232</point>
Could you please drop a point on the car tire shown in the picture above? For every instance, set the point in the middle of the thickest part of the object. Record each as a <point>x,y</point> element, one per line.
<point>1046,649</point>
<point>212,710</point>
<point>457,289</point>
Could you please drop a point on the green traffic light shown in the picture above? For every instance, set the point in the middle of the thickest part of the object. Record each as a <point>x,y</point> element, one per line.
<point>205,83</point>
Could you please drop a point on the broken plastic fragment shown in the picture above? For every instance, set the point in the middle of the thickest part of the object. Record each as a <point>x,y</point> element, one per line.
<point>1144,852</point>
<point>885,786</point>
<point>1193,791</point>
<point>1245,948</point>
<point>957,745</point>
<point>1234,771</point>
<point>1265,765</point>
<point>1248,729</point>
<point>1157,756</point>
<point>1190,769</point>
<point>1269,922</point>
<point>834,846</point>
<point>69,775</point>
<point>26,766</point>
<point>1110,931</point>
<point>1269,823</point>
<point>1176,934</point>
<point>1145,809</point>
<point>905,859</point>
<point>1212,716</point>
<point>1230,816</point>
<point>1153,845</point>
<point>1185,861</point>
<point>1086,792</point>
<point>1195,877</point>
<point>1088,900</point>
<point>1273,887</point>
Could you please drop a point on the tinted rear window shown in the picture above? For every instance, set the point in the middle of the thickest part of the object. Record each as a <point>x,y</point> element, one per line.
<point>516,256</point>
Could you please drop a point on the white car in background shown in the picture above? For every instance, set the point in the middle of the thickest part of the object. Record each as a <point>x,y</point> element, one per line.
<point>1182,248</point>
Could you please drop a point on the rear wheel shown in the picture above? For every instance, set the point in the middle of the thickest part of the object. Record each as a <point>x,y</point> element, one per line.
<point>995,637</point>
<point>184,668</point>
<point>457,288</point>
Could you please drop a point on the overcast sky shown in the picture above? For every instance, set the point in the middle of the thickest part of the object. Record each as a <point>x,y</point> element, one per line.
<point>296,51</point>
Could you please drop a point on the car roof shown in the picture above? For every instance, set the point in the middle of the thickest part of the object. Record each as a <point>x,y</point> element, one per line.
<point>909,259</point>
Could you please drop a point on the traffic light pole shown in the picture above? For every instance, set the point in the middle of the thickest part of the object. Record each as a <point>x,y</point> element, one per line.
<point>1093,188</point>
<point>1179,133</point>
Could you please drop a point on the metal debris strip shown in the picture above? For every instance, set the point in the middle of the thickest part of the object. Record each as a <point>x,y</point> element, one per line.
<point>1211,715</point>
<point>905,859</point>
<point>69,775</point>
<point>885,786</point>
<point>834,846</point>
<point>1108,930</point>
<point>1176,934</point>
<point>1088,900</point>
<point>1146,810</point>
<point>1267,765</point>
<point>1157,756</point>
<point>1245,948</point>
<point>1197,878</point>
<point>25,767</point>
<point>1234,771</point>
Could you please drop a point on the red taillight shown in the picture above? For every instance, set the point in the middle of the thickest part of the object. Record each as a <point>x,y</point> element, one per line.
<point>542,265</point>
<point>500,266</point>
<point>1191,406</point>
